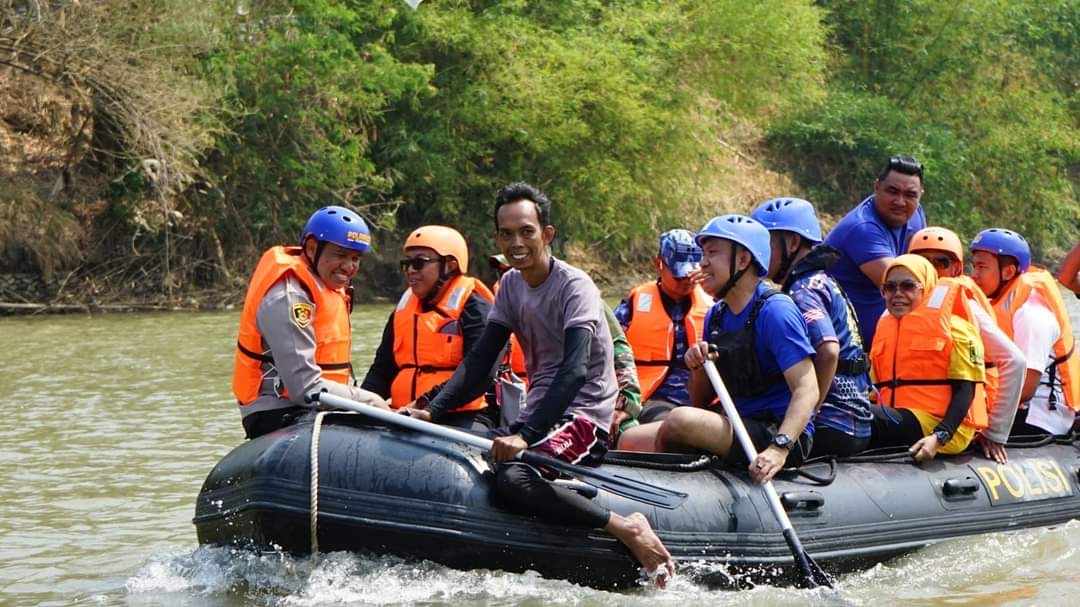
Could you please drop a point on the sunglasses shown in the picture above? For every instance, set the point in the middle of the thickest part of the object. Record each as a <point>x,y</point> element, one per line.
<point>684,257</point>
<point>906,165</point>
<point>941,262</point>
<point>417,263</point>
<point>904,286</point>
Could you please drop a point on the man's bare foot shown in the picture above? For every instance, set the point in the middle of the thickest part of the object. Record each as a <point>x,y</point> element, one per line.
<point>635,532</point>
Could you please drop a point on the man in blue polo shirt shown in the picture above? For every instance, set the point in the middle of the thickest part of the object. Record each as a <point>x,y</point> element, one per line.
<point>874,232</point>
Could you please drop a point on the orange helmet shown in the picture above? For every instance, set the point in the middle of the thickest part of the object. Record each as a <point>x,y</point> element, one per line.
<point>445,241</point>
<point>938,238</point>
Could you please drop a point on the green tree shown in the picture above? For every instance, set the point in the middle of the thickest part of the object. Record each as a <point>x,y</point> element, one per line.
<point>307,88</point>
<point>975,89</point>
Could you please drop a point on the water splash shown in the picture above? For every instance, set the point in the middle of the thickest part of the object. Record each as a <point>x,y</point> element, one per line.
<point>213,570</point>
<point>230,576</point>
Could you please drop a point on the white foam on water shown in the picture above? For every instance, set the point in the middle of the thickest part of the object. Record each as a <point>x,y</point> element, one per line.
<point>276,579</point>
<point>1023,567</point>
<point>216,570</point>
<point>994,568</point>
<point>345,578</point>
<point>158,576</point>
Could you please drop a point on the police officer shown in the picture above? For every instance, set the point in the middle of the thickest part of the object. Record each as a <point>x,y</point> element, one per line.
<point>295,335</point>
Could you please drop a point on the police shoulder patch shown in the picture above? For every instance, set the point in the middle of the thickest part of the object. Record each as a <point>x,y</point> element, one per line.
<point>301,314</point>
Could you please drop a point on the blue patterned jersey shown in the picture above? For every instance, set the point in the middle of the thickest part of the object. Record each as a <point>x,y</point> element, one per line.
<point>829,317</point>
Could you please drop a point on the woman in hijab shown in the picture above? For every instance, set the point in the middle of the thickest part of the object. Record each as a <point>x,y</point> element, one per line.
<point>927,364</point>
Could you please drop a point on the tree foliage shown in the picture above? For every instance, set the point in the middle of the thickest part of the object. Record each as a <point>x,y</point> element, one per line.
<point>982,91</point>
<point>307,86</point>
<point>627,112</point>
<point>590,100</point>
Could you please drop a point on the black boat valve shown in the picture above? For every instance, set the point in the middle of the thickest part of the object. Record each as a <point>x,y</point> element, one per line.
<point>960,487</point>
<point>802,500</point>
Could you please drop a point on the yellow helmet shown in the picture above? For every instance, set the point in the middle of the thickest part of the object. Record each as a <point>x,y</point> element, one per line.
<point>941,239</point>
<point>444,240</point>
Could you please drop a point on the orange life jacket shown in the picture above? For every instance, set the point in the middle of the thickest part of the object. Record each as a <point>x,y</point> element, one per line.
<point>973,291</point>
<point>428,344</point>
<point>970,290</point>
<point>330,323</point>
<point>1066,363</point>
<point>515,357</point>
<point>652,336</point>
<point>910,356</point>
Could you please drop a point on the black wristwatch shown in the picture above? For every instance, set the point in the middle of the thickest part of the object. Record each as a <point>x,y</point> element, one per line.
<point>942,437</point>
<point>782,441</point>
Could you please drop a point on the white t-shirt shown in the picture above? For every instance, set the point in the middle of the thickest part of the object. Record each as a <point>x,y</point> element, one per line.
<point>1035,329</point>
<point>1011,366</point>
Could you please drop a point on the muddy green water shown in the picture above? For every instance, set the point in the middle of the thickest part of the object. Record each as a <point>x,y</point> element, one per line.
<point>110,424</point>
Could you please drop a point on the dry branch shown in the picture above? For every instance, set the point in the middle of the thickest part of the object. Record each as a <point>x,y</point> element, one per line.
<point>144,105</point>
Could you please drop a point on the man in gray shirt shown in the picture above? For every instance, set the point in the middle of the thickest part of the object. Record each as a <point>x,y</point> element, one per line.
<point>558,315</point>
<point>295,336</point>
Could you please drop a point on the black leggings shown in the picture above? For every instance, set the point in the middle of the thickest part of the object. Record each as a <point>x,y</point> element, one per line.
<point>526,491</point>
<point>1020,426</point>
<point>893,427</point>
<point>830,441</point>
<point>263,422</point>
<point>475,422</point>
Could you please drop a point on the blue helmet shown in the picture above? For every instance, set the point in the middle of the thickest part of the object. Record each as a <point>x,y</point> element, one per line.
<point>742,230</point>
<point>679,252</point>
<point>791,214</point>
<point>339,226</point>
<point>1001,241</point>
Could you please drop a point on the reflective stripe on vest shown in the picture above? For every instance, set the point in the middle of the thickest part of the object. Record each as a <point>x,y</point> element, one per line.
<point>429,344</point>
<point>330,324</point>
<point>652,336</point>
<point>1066,365</point>
<point>910,356</point>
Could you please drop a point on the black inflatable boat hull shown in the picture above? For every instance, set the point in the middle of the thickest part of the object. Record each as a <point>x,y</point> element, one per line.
<point>399,492</point>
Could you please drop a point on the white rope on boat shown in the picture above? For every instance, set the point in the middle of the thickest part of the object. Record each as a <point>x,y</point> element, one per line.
<point>316,430</point>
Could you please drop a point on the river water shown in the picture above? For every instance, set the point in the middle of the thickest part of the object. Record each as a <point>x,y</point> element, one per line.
<point>113,421</point>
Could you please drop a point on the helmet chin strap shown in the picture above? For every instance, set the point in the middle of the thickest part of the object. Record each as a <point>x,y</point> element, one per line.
<point>1001,280</point>
<point>786,260</point>
<point>320,245</point>
<point>444,276</point>
<point>733,275</point>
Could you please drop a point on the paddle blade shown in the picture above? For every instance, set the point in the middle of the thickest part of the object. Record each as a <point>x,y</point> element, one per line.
<point>812,573</point>
<point>631,489</point>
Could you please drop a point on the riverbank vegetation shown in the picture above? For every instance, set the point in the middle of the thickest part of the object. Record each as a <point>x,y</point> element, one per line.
<point>152,150</point>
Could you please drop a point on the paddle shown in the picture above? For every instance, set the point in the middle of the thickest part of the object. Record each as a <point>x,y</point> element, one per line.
<point>812,575</point>
<point>629,488</point>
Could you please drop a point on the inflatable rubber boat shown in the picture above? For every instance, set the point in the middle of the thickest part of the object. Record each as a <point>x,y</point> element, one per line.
<point>401,492</point>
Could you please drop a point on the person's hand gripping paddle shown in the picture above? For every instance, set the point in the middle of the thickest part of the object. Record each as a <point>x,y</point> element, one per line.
<point>812,574</point>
